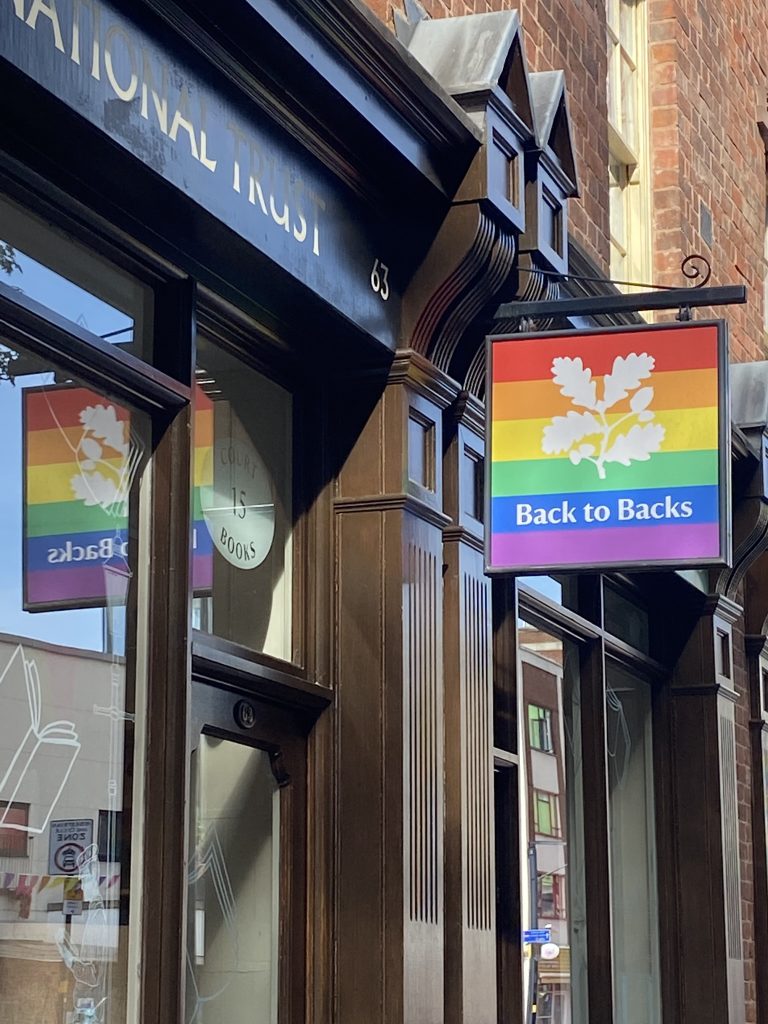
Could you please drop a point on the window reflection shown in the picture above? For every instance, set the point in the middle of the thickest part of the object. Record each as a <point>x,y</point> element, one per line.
<point>45,265</point>
<point>626,619</point>
<point>233,886</point>
<point>633,849</point>
<point>563,590</point>
<point>553,891</point>
<point>242,504</point>
<point>71,463</point>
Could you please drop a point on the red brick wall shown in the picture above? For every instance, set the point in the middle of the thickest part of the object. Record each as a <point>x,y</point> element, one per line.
<point>708,82</point>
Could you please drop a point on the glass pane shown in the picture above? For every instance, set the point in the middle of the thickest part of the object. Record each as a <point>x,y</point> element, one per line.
<point>627,29</point>
<point>563,590</point>
<point>613,19</point>
<point>71,463</point>
<point>617,182</point>
<point>232,929</point>
<point>44,264</point>
<point>633,850</point>
<point>553,895</point>
<point>613,83</point>
<point>242,516</point>
<point>626,619</point>
<point>629,104</point>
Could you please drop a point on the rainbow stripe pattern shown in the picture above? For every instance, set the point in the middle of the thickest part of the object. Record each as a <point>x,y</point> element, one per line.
<point>202,544</point>
<point>68,540</point>
<point>605,449</point>
<point>69,537</point>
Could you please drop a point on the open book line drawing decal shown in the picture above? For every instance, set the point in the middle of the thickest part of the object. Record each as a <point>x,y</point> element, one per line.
<point>209,859</point>
<point>20,681</point>
<point>89,961</point>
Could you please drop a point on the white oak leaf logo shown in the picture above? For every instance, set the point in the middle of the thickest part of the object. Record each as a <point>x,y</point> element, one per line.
<point>568,433</point>
<point>637,445</point>
<point>626,375</point>
<point>565,431</point>
<point>574,380</point>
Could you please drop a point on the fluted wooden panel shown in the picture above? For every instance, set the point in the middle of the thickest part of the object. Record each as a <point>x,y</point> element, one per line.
<point>423,711</point>
<point>730,837</point>
<point>478,832</point>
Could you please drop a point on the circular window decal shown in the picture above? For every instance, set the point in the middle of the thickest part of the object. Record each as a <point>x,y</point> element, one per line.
<point>238,507</point>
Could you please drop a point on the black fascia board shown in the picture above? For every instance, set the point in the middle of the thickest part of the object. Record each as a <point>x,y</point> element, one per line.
<point>339,81</point>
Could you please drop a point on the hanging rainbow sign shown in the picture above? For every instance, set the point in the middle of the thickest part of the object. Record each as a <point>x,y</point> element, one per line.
<point>608,449</point>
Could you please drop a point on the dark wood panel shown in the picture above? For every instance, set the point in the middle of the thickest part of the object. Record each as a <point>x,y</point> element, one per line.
<point>360,677</point>
<point>596,833</point>
<point>470,900</point>
<point>164,890</point>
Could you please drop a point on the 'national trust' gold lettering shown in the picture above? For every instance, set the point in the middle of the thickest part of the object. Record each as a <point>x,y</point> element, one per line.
<point>134,75</point>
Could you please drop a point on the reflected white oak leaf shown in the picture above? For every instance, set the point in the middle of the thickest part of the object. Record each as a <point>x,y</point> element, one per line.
<point>95,489</point>
<point>102,422</point>
<point>90,448</point>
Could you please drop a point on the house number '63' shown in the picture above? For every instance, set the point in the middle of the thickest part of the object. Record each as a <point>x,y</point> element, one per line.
<point>380,279</point>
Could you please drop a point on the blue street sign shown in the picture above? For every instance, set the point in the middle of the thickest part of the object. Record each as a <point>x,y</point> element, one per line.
<point>538,935</point>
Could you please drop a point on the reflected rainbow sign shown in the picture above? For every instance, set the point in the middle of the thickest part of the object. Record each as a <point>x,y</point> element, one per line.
<point>202,544</point>
<point>79,463</point>
<point>80,460</point>
<point>608,449</point>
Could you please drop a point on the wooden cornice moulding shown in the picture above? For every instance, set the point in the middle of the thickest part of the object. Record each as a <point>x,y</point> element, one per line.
<point>340,48</point>
<point>393,502</point>
<point>723,607</point>
<point>380,59</point>
<point>469,411</point>
<point>422,376</point>
<point>462,535</point>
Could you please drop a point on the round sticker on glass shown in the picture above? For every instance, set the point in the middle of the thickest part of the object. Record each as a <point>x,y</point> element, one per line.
<point>238,506</point>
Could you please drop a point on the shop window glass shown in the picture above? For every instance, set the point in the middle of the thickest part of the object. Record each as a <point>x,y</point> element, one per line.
<point>242,536</point>
<point>632,850</point>
<point>563,590</point>
<point>233,894</point>
<point>41,262</point>
<point>553,886</point>
<point>71,464</point>
<point>626,619</point>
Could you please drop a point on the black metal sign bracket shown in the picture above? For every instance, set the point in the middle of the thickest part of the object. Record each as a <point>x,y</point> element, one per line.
<point>662,297</point>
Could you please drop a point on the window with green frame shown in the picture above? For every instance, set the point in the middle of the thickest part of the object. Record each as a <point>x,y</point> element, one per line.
<point>546,813</point>
<point>540,728</point>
